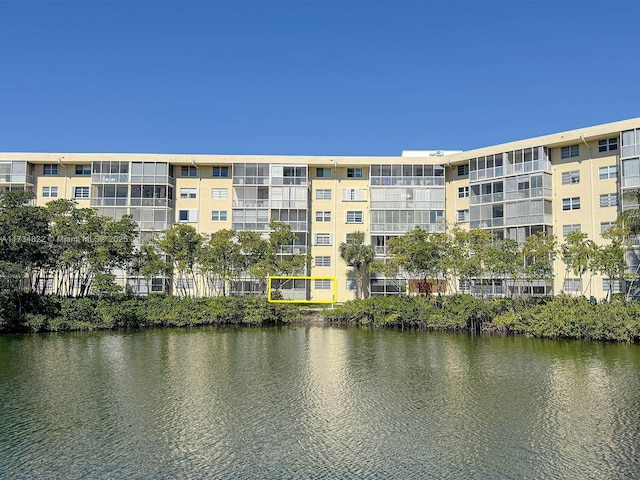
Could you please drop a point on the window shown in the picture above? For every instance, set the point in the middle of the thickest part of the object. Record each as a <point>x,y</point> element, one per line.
<point>608,145</point>
<point>463,170</point>
<point>323,194</point>
<point>463,192</point>
<point>323,216</point>
<point>462,216</point>
<point>572,285</point>
<point>157,284</point>
<point>83,169</point>
<point>188,171</point>
<point>50,192</point>
<point>218,193</point>
<point>616,287</point>
<point>570,152</point>
<point>572,203</point>
<point>323,284</point>
<point>354,173</point>
<point>80,192</point>
<point>50,170</point>
<point>607,173</point>
<point>567,229</point>
<point>604,226</point>
<point>323,173</point>
<point>609,200</point>
<point>222,172</point>
<point>184,283</point>
<point>352,285</point>
<point>187,193</point>
<point>570,177</point>
<point>355,216</point>
<point>323,239</point>
<point>190,216</point>
<point>323,261</point>
<point>353,194</point>
<point>219,215</point>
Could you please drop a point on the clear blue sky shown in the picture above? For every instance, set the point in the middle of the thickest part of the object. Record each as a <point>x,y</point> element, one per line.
<point>310,77</point>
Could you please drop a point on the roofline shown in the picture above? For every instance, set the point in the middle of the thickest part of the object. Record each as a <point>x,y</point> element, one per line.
<point>551,140</point>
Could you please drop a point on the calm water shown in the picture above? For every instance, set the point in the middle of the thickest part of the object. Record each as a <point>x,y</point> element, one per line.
<point>316,402</point>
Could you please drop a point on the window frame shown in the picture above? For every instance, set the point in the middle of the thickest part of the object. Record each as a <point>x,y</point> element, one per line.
<point>570,203</point>
<point>221,171</point>
<point>466,218</point>
<point>354,216</point>
<point>52,170</point>
<point>608,145</point>
<point>570,151</point>
<point>327,239</point>
<point>322,284</point>
<point>463,192</point>
<point>219,215</point>
<point>323,172</point>
<point>84,170</point>
<point>223,193</point>
<point>324,192</point>
<point>52,192</point>
<point>191,218</point>
<point>608,197</point>
<point>610,172</point>
<point>572,177</point>
<point>191,171</point>
<point>188,192</point>
<point>323,216</point>
<point>82,188</point>
<point>355,172</point>
<point>322,261</point>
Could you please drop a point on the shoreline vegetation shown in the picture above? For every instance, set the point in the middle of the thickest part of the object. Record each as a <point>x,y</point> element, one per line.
<point>547,317</point>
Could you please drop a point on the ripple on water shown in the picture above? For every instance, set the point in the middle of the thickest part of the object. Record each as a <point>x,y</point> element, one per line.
<point>317,403</point>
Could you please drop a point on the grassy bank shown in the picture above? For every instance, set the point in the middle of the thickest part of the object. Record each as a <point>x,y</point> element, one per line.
<point>38,313</point>
<point>556,317</point>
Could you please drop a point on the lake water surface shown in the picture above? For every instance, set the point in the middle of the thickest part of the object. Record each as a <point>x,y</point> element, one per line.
<point>316,402</point>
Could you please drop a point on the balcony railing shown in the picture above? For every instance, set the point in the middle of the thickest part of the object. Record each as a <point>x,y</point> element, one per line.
<point>514,169</point>
<point>110,178</point>
<point>406,205</point>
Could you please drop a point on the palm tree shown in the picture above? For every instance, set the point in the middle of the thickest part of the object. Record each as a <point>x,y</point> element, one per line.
<point>357,255</point>
<point>630,215</point>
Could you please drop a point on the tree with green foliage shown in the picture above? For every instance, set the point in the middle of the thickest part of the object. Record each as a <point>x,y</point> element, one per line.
<point>418,255</point>
<point>502,259</point>
<point>252,250</point>
<point>577,253</point>
<point>182,245</point>
<point>86,244</point>
<point>539,252</point>
<point>609,259</point>
<point>358,256</point>
<point>464,258</point>
<point>629,218</point>
<point>149,263</point>
<point>25,235</point>
<point>218,260</point>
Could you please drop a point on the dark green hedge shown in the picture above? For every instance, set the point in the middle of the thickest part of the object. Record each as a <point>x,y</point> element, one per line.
<point>38,313</point>
<point>553,317</point>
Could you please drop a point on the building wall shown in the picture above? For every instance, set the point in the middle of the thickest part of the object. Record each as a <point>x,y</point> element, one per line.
<point>354,184</point>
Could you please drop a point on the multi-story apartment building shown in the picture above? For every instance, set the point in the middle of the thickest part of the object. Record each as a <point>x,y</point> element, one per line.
<point>555,183</point>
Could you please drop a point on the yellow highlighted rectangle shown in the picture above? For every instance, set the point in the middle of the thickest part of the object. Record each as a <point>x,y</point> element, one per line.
<point>334,288</point>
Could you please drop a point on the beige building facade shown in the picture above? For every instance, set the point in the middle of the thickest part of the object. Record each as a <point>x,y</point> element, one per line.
<point>556,183</point>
